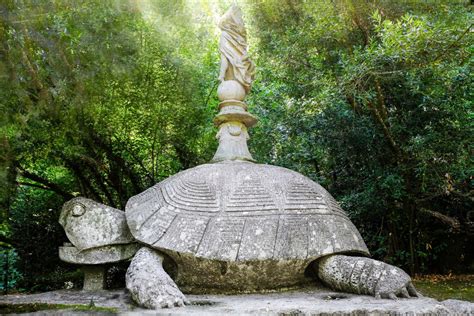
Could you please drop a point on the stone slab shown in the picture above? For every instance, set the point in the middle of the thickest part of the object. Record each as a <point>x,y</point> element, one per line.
<point>105,254</point>
<point>308,301</point>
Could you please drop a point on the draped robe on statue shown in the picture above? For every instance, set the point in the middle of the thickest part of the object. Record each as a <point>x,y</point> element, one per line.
<point>233,48</point>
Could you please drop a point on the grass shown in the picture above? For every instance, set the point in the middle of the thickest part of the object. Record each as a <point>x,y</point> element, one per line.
<point>34,307</point>
<point>443,287</point>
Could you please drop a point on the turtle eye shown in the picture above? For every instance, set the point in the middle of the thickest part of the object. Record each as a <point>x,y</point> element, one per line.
<point>78,210</point>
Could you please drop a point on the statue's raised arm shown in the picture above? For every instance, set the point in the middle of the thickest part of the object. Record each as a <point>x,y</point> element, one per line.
<point>235,62</point>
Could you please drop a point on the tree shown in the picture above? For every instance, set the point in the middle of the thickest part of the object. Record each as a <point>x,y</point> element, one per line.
<point>373,100</point>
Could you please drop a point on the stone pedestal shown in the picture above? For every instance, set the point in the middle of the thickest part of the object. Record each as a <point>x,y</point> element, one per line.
<point>94,277</point>
<point>233,121</point>
<point>92,261</point>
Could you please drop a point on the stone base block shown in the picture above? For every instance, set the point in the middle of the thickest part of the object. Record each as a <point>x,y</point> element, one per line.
<point>92,261</point>
<point>94,277</point>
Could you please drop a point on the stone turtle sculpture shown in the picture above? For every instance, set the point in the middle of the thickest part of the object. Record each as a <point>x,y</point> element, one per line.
<point>233,225</point>
<point>238,226</point>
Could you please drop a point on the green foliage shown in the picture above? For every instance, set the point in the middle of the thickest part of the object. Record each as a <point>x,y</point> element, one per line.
<point>97,100</point>
<point>10,275</point>
<point>374,100</point>
<point>34,215</point>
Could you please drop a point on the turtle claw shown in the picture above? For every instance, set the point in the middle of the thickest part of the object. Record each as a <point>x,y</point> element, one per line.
<point>407,291</point>
<point>412,291</point>
<point>179,302</point>
<point>167,301</point>
<point>165,304</point>
<point>404,293</point>
<point>392,296</point>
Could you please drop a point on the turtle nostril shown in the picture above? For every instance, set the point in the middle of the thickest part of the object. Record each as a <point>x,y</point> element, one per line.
<point>78,210</point>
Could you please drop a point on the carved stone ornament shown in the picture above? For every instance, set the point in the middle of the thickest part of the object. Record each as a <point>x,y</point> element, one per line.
<point>235,62</point>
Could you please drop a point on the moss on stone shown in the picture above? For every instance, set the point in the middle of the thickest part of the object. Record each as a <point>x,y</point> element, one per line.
<point>34,307</point>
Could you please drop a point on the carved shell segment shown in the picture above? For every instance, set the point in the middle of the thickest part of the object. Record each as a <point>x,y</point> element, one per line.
<point>240,211</point>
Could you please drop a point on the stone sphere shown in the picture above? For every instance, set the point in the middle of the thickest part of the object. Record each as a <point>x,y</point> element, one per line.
<point>230,90</point>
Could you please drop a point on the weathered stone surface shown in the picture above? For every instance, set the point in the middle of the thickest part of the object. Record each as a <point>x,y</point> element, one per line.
<point>309,301</point>
<point>149,285</point>
<point>365,276</point>
<point>250,218</point>
<point>89,224</point>
<point>459,307</point>
<point>198,275</point>
<point>235,62</point>
<point>236,75</point>
<point>231,90</point>
<point>215,206</point>
<point>232,138</point>
<point>92,261</point>
<point>118,299</point>
<point>94,277</point>
<point>232,111</point>
<point>105,254</point>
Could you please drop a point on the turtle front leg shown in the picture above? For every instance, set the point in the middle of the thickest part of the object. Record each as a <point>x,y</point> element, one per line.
<point>149,284</point>
<point>365,276</point>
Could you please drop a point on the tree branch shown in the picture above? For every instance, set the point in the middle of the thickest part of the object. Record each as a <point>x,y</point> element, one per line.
<point>450,221</point>
<point>386,131</point>
<point>45,182</point>
<point>453,43</point>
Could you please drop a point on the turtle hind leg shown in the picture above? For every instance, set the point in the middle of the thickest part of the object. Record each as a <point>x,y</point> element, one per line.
<point>149,284</point>
<point>361,275</point>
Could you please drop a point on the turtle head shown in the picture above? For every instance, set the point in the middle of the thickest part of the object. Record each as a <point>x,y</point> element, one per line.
<point>89,224</point>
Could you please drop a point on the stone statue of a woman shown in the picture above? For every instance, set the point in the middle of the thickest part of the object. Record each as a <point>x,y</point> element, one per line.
<point>235,63</point>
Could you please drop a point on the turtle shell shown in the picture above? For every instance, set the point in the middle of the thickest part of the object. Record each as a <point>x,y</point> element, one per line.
<point>242,211</point>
